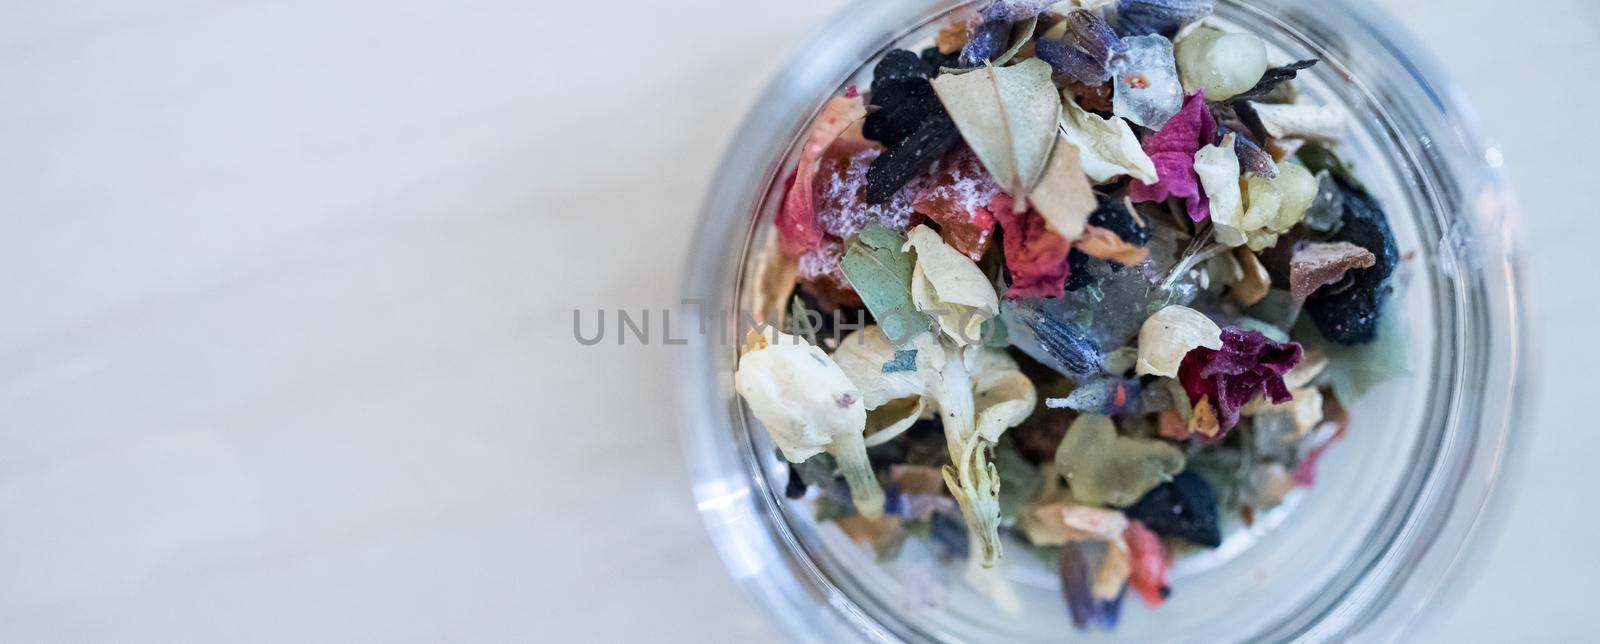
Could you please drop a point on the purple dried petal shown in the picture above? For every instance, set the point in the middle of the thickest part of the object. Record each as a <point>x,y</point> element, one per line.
<point>1172,149</point>
<point>1165,17</point>
<point>1247,365</point>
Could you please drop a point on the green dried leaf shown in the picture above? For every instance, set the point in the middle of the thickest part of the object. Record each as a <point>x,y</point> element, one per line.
<point>904,360</point>
<point>1008,116</point>
<point>1018,480</point>
<point>880,272</point>
<point>1102,467</point>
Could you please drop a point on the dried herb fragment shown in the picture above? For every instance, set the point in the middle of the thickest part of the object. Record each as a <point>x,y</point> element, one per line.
<point>1008,116</point>
<point>1273,78</point>
<point>1102,467</point>
<point>881,272</point>
<point>911,157</point>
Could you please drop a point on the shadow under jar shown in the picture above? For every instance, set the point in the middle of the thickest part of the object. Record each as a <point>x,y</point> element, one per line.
<point>1395,502</point>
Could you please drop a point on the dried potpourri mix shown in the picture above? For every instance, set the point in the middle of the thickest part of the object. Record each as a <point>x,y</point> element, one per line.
<point>1120,288</point>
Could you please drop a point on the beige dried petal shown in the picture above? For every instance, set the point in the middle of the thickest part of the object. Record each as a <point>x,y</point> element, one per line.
<point>947,285</point>
<point>1169,335</point>
<point>809,406</point>
<point>1063,195</point>
<point>1204,419</point>
<point>1107,147</point>
<point>1269,484</point>
<point>774,281</point>
<point>1301,121</point>
<point>1104,244</point>
<point>1318,264</point>
<point>1256,281</point>
<point>1002,396</point>
<point>1307,370</point>
<point>862,354</point>
<point>1087,522</point>
<point>1218,167</point>
<point>1114,570</point>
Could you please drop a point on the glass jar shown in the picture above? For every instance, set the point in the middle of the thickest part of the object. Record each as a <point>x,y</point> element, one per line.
<point>1394,503</point>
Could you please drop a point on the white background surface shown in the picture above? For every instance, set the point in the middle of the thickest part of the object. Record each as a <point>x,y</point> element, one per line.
<point>286,350</point>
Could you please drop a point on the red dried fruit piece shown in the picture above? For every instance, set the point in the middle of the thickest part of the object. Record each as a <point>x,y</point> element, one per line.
<point>1249,364</point>
<point>842,209</point>
<point>956,196</point>
<point>1149,574</point>
<point>1035,256</point>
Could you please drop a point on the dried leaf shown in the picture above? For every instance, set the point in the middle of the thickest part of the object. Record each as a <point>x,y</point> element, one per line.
<point>1063,195</point>
<point>950,287</point>
<point>1008,116</point>
<point>1107,147</point>
<point>881,271</point>
<point>1104,468</point>
<point>1168,335</point>
<point>1273,78</point>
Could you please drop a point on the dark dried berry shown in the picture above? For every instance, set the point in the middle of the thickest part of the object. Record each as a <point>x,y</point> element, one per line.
<point>938,59</point>
<point>911,157</point>
<point>795,488</point>
<point>1078,263</point>
<point>1185,508</point>
<point>1349,314</point>
<point>902,97</point>
<point>1112,214</point>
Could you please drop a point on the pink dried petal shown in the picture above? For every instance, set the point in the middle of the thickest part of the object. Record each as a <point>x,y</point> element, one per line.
<point>1249,364</point>
<point>1172,149</point>
<point>1035,255</point>
<point>797,226</point>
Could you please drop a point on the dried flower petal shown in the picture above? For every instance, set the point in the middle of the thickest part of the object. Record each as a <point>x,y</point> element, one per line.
<point>1298,121</point>
<point>1248,364</point>
<point>1168,335</point>
<point>1255,284</point>
<point>1318,264</point>
<point>950,287</point>
<point>1105,244</point>
<point>1276,205</point>
<point>1173,149</point>
<point>1273,78</point>
<point>1035,256</point>
<point>796,223</point>
<point>1077,588</point>
<point>1218,169</point>
<point>809,406</point>
<point>1102,467</point>
<point>1107,146</point>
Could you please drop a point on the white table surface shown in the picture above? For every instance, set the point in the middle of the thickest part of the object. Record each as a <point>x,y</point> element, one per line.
<point>286,349</point>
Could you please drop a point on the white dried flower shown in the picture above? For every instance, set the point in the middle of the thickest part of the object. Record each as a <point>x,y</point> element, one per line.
<point>1169,335</point>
